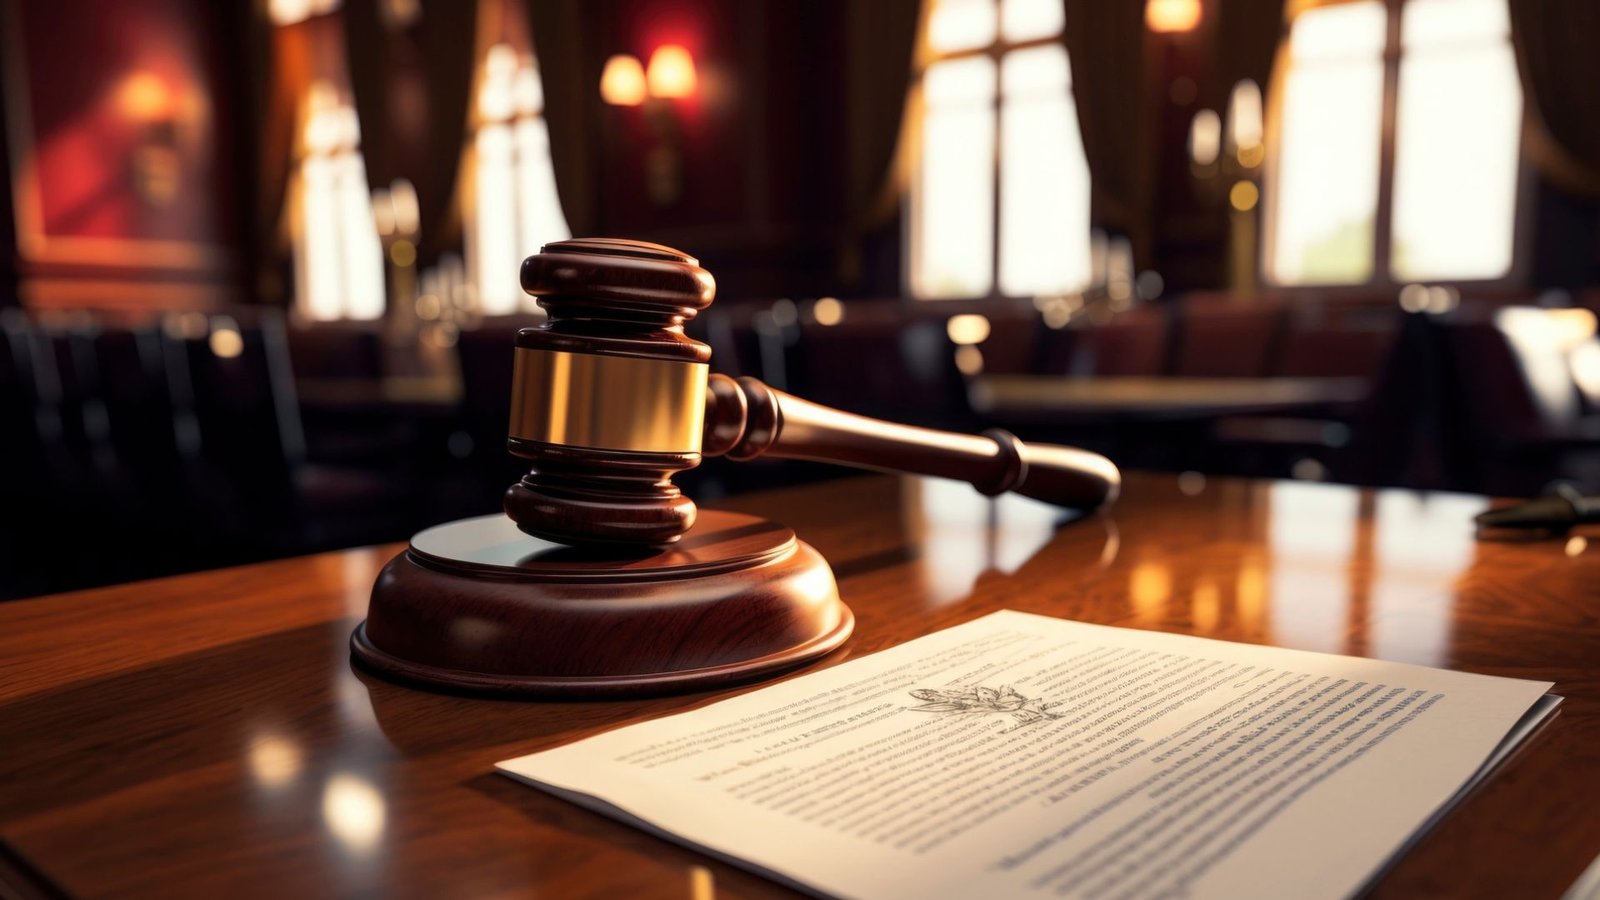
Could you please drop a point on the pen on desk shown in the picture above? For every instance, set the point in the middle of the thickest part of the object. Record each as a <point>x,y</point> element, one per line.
<point>1557,513</point>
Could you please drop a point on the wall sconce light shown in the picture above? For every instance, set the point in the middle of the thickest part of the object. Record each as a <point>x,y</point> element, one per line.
<point>622,83</point>
<point>671,76</point>
<point>1233,173</point>
<point>1171,16</point>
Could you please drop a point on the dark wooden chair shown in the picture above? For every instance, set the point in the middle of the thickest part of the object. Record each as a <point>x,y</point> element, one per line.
<point>486,358</point>
<point>1222,337</point>
<point>1325,341</point>
<point>267,495</point>
<point>1514,417</point>
<point>1132,343</point>
<point>887,365</point>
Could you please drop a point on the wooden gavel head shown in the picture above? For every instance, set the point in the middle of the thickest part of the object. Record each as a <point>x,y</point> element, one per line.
<point>609,397</point>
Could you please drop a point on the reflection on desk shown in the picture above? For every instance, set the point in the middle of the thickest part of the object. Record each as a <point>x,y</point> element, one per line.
<point>207,733</point>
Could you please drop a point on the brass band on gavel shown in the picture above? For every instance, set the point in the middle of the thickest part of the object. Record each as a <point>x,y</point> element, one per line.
<point>608,402</point>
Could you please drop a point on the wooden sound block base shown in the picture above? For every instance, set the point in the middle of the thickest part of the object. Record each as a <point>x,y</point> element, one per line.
<point>477,605</point>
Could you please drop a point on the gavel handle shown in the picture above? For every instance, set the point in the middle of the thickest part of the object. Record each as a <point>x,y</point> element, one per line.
<point>746,419</point>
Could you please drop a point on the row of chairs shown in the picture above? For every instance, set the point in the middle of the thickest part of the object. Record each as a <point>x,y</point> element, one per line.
<point>1459,397</point>
<point>133,451</point>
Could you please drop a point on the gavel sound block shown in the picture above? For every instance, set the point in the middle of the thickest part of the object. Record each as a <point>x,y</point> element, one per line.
<point>602,577</point>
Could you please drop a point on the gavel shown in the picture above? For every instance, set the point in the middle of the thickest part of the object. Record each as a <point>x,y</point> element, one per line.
<point>611,399</point>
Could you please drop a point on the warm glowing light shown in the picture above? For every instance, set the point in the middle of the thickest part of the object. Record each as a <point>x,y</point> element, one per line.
<point>1207,607</point>
<point>403,253</point>
<point>1251,591</point>
<point>1414,298</point>
<point>226,343</point>
<point>969,360</point>
<point>1244,196</point>
<point>671,74</point>
<point>969,328</point>
<point>827,311</point>
<point>274,761</point>
<point>702,886</point>
<point>1245,128</point>
<point>1576,545</point>
<point>622,82</point>
<point>1559,330</point>
<point>407,214</point>
<point>289,12</point>
<point>383,212</point>
<point>1165,16</point>
<point>1443,299</point>
<point>1585,361</point>
<point>1205,137</point>
<point>354,811</point>
<point>1149,584</point>
<point>143,97</point>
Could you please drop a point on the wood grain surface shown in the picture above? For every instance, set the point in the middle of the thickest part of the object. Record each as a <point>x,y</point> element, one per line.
<point>206,735</point>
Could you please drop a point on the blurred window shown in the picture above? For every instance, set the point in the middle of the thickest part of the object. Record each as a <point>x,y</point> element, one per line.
<point>338,259</point>
<point>999,90</point>
<point>514,206</point>
<point>1456,141</point>
<point>1452,163</point>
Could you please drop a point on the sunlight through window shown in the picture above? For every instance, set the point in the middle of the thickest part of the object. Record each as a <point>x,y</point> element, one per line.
<point>1454,210</point>
<point>1327,180</point>
<point>1044,189</point>
<point>338,258</point>
<point>515,208</point>
<point>1455,149</point>
<point>955,203</point>
<point>1040,244</point>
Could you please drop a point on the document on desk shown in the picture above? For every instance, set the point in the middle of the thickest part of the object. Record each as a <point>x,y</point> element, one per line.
<point>1022,755</point>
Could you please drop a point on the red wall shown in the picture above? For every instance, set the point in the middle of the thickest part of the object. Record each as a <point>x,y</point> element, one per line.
<point>123,175</point>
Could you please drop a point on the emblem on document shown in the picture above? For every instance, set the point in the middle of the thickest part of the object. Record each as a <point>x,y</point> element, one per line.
<point>984,700</point>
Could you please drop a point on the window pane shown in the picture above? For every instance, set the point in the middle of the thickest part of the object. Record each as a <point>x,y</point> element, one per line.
<point>515,207</point>
<point>1044,185</point>
<point>539,216</point>
<point>494,235</point>
<point>1026,20</point>
<point>338,257</point>
<point>1438,23</point>
<point>1352,30</point>
<point>961,25</point>
<point>953,199</point>
<point>1455,208</point>
<point>1326,183</point>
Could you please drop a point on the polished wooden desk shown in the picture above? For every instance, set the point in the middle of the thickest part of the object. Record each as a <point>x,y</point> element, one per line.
<point>206,736</point>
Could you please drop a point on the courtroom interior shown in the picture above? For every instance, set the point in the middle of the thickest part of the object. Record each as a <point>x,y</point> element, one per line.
<point>1261,301</point>
<point>261,263</point>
